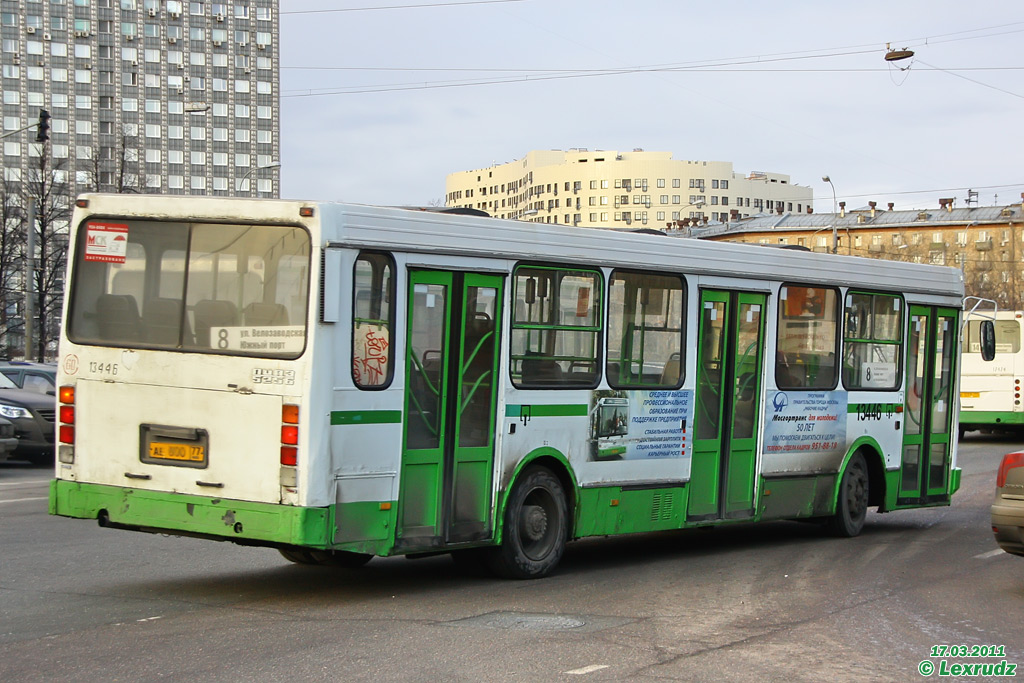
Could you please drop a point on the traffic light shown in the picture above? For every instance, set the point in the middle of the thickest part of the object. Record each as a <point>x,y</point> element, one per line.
<point>43,131</point>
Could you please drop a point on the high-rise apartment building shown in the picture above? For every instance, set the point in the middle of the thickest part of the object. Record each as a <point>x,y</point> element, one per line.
<point>610,189</point>
<point>145,96</point>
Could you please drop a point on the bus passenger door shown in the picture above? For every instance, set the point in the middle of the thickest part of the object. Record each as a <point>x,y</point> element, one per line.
<point>931,343</point>
<point>450,397</point>
<point>730,355</point>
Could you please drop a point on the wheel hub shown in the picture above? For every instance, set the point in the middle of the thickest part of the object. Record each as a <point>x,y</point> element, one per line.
<point>534,522</point>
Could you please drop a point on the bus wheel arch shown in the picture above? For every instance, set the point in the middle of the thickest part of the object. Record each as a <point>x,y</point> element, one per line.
<point>555,462</point>
<point>536,521</point>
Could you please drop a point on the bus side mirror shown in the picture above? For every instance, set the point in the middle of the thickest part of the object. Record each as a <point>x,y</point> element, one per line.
<point>988,340</point>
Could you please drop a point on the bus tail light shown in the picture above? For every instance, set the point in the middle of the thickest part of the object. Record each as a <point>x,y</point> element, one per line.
<point>289,435</point>
<point>1010,461</point>
<point>66,428</point>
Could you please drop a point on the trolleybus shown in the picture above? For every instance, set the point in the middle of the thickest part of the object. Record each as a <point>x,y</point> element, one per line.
<point>339,381</point>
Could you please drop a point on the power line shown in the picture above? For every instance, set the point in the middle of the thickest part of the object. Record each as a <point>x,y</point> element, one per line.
<point>726,65</point>
<point>547,75</point>
<point>972,80</point>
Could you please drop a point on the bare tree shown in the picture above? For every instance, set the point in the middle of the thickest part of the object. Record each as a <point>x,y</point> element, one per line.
<point>116,169</point>
<point>12,238</point>
<point>47,187</point>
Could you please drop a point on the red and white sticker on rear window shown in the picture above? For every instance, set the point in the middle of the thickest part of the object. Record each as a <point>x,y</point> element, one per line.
<point>107,242</point>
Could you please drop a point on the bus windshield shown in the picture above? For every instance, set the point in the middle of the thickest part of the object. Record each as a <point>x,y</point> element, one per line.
<point>233,289</point>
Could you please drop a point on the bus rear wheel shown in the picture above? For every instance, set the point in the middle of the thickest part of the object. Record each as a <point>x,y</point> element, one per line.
<point>536,527</point>
<point>852,504</point>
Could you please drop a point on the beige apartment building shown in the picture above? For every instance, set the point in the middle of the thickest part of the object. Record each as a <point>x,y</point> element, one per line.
<point>611,189</point>
<point>985,242</point>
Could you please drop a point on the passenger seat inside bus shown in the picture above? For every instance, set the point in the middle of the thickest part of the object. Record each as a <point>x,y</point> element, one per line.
<point>212,313</point>
<point>670,374</point>
<point>117,317</point>
<point>161,321</point>
<point>259,314</point>
<point>543,370</point>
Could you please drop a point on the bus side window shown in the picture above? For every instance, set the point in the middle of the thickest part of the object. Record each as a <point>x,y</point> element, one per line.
<point>807,337</point>
<point>373,313</point>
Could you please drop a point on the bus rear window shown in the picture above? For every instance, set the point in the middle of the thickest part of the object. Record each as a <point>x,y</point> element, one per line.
<point>233,289</point>
<point>1007,336</point>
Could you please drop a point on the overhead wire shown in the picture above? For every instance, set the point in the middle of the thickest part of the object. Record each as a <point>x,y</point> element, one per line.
<point>720,65</point>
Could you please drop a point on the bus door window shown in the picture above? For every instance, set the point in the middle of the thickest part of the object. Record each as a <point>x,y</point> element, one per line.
<point>478,348</point>
<point>711,356</point>
<point>748,348</point>
<point>942,386</point>
<point>427,341</point>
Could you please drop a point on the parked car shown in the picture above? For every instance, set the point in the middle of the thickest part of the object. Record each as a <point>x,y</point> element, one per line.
<point>8,441</point>
<point>34,416</point>
<point>38,377</point>
<point>1008,508</point>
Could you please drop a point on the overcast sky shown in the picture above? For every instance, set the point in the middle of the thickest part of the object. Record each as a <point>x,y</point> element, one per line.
<point>792,87</point>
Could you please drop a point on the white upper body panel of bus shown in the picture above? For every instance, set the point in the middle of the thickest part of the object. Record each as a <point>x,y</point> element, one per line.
<point>385,228</point>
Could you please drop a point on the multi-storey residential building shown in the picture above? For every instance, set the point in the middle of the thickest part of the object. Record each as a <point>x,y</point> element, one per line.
<point>610,189</point>
<point>161,96</point>
<point>985,242</point>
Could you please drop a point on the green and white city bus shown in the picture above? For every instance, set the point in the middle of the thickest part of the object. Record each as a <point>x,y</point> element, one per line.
<point>990,393</point>
<point>341,381</point>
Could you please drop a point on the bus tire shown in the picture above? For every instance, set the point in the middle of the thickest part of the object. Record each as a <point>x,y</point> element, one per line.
<point>340,558</point>
<point>335,558</point>
<point>852,504</point>
<point>297,555</point>
<point>536,527</point>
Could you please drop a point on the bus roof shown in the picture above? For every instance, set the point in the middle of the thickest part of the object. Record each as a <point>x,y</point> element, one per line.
<point>389,228</point>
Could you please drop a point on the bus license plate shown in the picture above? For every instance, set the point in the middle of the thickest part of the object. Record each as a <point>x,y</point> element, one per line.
<point>970,394</point>
<point>184,452</point>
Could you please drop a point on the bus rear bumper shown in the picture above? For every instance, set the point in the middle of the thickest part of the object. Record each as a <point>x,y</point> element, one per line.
<point>188,515</point>
<point>985,419</point>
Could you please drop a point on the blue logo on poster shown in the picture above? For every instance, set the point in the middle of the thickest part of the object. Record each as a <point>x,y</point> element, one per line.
<point>780,402</point>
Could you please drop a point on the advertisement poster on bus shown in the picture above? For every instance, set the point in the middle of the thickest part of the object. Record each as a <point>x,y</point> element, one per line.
<point>640,425</point>
<point>805,422</point>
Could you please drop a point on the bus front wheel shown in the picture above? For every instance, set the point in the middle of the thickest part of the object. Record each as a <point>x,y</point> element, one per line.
<point>852,504</point>
<point>536,527</point>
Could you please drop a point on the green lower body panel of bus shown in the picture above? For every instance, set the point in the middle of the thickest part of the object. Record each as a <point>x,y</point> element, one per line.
<point>229,520</point>
<point>994,418</point>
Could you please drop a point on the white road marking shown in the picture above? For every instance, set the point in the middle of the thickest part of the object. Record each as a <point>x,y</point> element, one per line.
<point>990,553</point>
<point>23,483</point>
<point>150,618</point>
<point>22,500</point>
<point>587,669</point>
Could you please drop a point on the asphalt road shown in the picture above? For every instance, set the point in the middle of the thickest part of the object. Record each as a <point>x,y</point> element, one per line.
<point>772,602</point>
